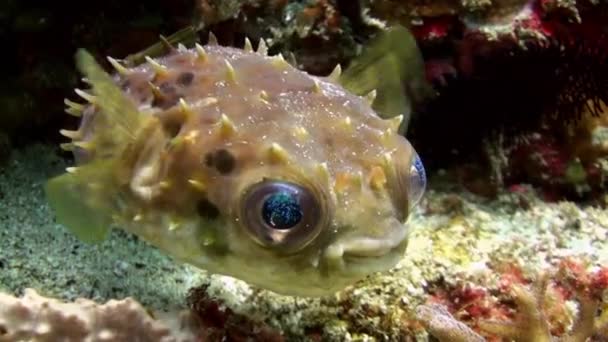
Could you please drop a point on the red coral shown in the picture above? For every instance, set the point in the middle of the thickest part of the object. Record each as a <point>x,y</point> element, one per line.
<point>220,323</point>
<point>519,302</point>
<point>541,160</point>
<point>574,278</point>
<point>599,282</point>
<point>510,274</point>
<point>435,28</point>
<point>535,19</point>
<point>470,303</point>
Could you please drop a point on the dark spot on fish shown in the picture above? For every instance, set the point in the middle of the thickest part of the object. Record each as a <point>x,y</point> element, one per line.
<point>126,84</point>
<point>170,102</point>
<point>224,161</point>
<point>146,99</point>
<point>209,159</point>
<point>207,209</point>
<point>167,98</point>
<point>165,102</point>
<point>166,88</point>
<point>141,88</point>
<point>185,78</point>
<point>172,128</point>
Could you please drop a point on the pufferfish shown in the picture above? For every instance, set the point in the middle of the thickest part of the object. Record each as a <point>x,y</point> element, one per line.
<point>241,164</point>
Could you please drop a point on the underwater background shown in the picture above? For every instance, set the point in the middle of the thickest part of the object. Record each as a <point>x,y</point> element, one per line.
<point>507,243</point>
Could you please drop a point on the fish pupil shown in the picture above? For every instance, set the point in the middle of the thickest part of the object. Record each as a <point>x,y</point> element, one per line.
<point>282,210</point>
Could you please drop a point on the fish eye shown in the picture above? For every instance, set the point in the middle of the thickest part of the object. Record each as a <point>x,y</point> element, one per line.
<point>281,214</point>
<point>417,181</point>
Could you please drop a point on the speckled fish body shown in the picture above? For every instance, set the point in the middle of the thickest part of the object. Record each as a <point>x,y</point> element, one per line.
<point>240,164</point>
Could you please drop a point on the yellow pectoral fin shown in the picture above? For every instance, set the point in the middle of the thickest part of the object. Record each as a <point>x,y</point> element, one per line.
<point>392,65</point>
<point>86,200</point>
<point>121,119</point>
<point>71,201</point>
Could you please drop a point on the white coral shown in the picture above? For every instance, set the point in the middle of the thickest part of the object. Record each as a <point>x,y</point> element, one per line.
<point>36,318</point>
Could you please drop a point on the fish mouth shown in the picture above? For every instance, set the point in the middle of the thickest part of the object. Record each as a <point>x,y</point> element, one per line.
<point>365,255</point>
<point>319,271</point>
<point>376,262</point>
<point>330,275</point>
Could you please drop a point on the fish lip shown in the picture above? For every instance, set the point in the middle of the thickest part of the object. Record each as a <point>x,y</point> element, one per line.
<point>377,247</point>
<point>376,253</point>
<point>359,267</point>
<point>351,262</point>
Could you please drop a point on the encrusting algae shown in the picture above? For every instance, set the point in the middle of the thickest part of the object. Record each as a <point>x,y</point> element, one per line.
<point>238,163</point>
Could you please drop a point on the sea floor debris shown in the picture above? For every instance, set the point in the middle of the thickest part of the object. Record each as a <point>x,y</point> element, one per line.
<point>457,239</point>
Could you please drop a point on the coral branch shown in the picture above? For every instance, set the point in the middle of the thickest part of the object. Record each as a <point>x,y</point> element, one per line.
<point>539,307</point>
<point>441,324</point>
<point>532,324</point>
<point>34,317</point>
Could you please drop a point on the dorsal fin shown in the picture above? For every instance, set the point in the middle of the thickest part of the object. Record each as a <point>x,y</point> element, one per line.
<point>186,36</point>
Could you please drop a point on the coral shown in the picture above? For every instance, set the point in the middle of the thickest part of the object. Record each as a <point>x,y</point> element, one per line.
<point>220,323</point>
<point>563,160</point>
<point>540,313</point>
<point>533,325</point>
<point>504,86</point>
<point>590,138</point>
<point>515,75</point>
<point>541,159</point>
<point>34,317</point>
<point>441,324</point>
<point>486,20</point>
<point>47,319</point>
<point>316,32</point>
<point>508,68</point>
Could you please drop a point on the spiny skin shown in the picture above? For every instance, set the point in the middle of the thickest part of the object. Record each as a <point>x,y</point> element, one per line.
<point>230,119</point>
